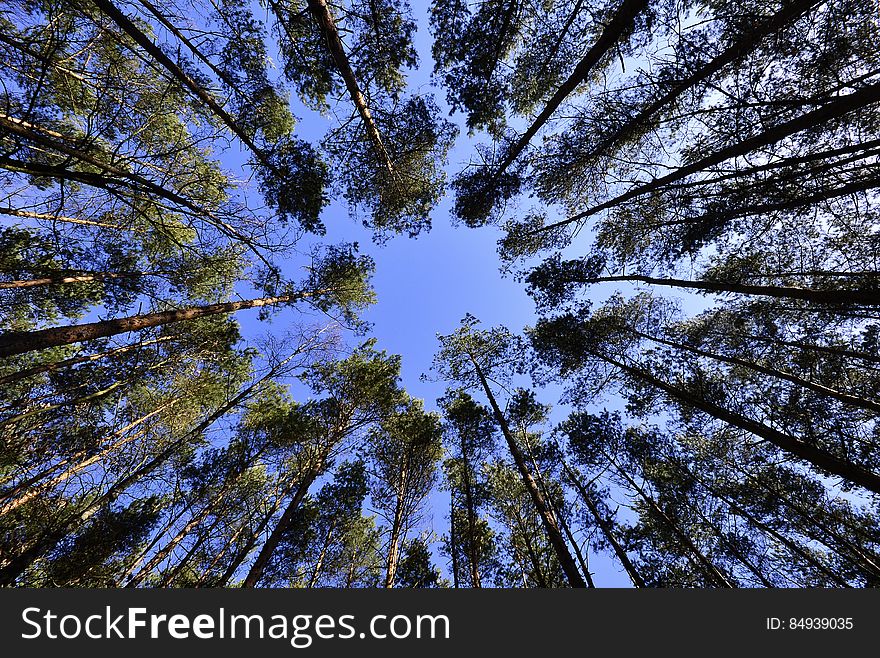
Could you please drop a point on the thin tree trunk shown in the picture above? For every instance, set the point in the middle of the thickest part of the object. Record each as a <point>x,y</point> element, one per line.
<point>763,527</point>
<point>327,25</point>
<point>538,570</point>
<point>818,457</point>
<point>616,29</point>
<point>453,544</point>
<point>712,571</point>
<point>841,106</point>
<point>605,527</point>
<point>313,580</point>
<point>835,297</point>
<point>170,575</point>
<point>287,518</point>
<point>49,540</point>
<point>472,521</point>
<point>132,30</point>
<point>557,513</point>
<point>744,559</point>
<point>138,561</point>
<point>789,13</point>
<point>828,536</point>
<point>15,212</point>
<point>582,561</point>
<point>73,361</point>
<point>846,398</point>
<point>395,539</point>
<point>60,280</point>
<point>20,342</point>
<point>807,347</point>
<point>550,525</point>
<point>59,142</point>
<point>8,500</point>
<point>242,553</point>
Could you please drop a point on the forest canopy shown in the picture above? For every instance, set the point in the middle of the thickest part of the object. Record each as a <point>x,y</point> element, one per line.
<point>687,191</point>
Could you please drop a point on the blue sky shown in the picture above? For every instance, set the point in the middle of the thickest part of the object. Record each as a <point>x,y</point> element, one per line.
<point>426,285</point>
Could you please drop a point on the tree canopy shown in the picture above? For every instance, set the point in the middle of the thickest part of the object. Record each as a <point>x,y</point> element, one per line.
<point>192,393</point>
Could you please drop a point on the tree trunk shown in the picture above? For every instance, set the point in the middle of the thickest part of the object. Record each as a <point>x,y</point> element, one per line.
<point>313,580</point>
<point>550,525</point>
<point>613,32</point>
<point>473,553</point>
<point>15,212</point>
<point>395,538</point>
<point>20,342</point>
<point>259,565</point>
<point>132,30</point>
<point>80,278</point>
<point>835,297</point>
<point>711,569</point>
<point>73,361</point>
<point>557,513</point>
<point>846,398</point>
<point>839,107</point>
<point>789,13</point>
<point>821,459</point>
<point>453,544</point>
<point>763,527</point>
<point>327,25</point>
<point>605,527</point>
<point>135,564</point>
<point>242,553</point>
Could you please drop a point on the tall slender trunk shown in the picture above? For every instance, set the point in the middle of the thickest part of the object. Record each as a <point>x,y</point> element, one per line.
<point>739,510</point>
<point>537,568</point>
<point>8,498</point>
<point>243,552</point>
<point>579,555</point>
<point>25,490</point>
<point>73,278</point>
<point>605,526</point>
<point>395,539</point>
<point>164,455</point>
<point>91,397</point>
<point>33,492</point>
<point>17,212</point>
<point>284,523</point>
<point>846,398</point>
<point>557,513</point>
<point>697,556</point>
<point>839,107</point>
<point>165,551</point>
<point>66,144</point>
<point>733,549</point>
<point>327,25</point>
<point>834,297</point>
<point>20,342</point>
<point>790,12</point>
<point>135,564</point>
<point>550,525</point>
<point>614,31</point>
<point>50,539</point>
<point>316,572</point>
<point>132,30</point>
<point>826,535</point>
<point>169,576</point>
<point>73,361</point>
<point>808,347</point>
<point>473,549</point>
<point>818,457</point>
<point>453,543</point>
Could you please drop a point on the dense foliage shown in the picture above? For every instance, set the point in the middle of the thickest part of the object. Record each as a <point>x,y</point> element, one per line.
<point>687,190</point>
